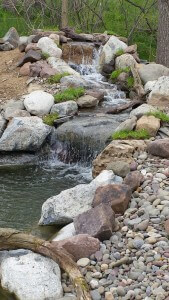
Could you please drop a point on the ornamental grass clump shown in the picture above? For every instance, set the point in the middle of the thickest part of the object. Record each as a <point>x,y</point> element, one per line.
<point>159,115</point>
<point>57,77</point>
<point>50,119</point>
<point>69,94</point>
<point>131,134</point>
<point>115,74</point>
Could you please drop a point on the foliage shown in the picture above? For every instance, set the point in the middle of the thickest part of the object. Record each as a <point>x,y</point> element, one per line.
<point>130,82</point>
<point>131,134</point>
<point>115,74</point>
<point>159,115</point>
<point>119,52</point>
<point>50,118</point>
<point>45,55</point>
<point>69,94</point>
<point>57,77</point>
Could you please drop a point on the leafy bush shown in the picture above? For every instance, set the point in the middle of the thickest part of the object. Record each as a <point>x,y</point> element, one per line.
<point>50,118</point>
<point>57,77</point>
<point>131,134</point>
<point>69,94</point>
<point>115,74</point>
<point>159,115</point>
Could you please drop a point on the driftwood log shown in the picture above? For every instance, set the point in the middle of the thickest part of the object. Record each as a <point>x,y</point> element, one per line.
<point>11,239</point>
<point>119,108</point>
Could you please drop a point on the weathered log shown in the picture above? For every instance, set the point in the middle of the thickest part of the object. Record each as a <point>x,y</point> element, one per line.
<point>70,33</point>
<point>11,239</point>
<point>119,108</point>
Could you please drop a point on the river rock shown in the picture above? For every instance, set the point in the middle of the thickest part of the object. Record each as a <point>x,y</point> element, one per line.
<point>39,103</point>
<point>129,124</point>
<point>31,277</point>
<point>6,47</point>
<point>11,37</point>
<point>64,207</point>
<point>25,69</point>
<point>61,66</point>
<point>3,124</point>
<point>109,50</point>
<point>48,46</point>
<point>134,180</point>
<point>152,72</point>
<point>72,81</point>
<point>67,231</point>
<point>142,110</point>
<point>65,108</point>
<point>30,56</point>
<point>11,112</point>
<point>87,101</point>
<point>150,123</point>
<point>166,225</point>
<point>115,195</point>
<point>117,150</point>
<point>24,134</point>
<point>98,222</point>
<point>81,245</point>
<point>119,167</point>
<point>159,148</point>
<point>159,95</point>
<point>125,60</point>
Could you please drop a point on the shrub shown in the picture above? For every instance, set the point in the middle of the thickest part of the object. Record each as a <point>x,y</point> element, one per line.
<point>131,134</point>
<point>50,118</point>
<point>69,94</point>
<point>57,77</point>
<point>159,115</point>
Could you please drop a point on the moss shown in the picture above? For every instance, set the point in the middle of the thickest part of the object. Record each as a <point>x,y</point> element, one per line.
<point>159,115</point>
<point>45,55</point>
<point>131,134</point>
<point>57,77</point>
<point>69,94</point>
<point>50,118</point>
<point>115,74</point>
<point>119,52</point>
<point>130,82</point>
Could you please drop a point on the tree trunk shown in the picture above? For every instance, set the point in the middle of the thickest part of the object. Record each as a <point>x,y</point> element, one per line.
<point>163,33</point>
<point>11,239</point>
<point>64,20</point>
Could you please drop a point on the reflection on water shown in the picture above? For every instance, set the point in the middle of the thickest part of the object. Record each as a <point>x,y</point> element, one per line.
<point>25,188</point>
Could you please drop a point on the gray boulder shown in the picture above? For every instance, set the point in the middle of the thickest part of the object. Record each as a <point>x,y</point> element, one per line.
<point>6,47</point>
<point>152,72</point>
<point>49,47</point>
<point>63,208</point>
<point>12,37</point>
<point>3,124</point>
<point>31,277</point>
<point>65,108</point>
<point>24,134</point>
<point>142,110</point>
<point>39,103</point>
<point>129,124</point>
<point>73,81</point>
<point>61,66</point>
<point>11,112</point>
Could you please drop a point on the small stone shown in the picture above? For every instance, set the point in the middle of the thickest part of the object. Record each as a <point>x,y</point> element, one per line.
<point>138,243</point>
<point>109,296</point>
<point>121,291</point>
<point>95,295</point>
<point>83,262</point>
<point>94,284</point>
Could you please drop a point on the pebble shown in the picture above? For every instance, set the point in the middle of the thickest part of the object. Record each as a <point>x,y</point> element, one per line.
<point>83,262</point>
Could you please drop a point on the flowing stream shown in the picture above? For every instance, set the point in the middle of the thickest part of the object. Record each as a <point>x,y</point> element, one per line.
<point>25,187</point>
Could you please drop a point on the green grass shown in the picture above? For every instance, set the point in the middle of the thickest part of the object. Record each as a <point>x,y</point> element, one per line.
<point>119,52</point>
<point>57,77</point>
<point>159,115</point>
<point>50,118</point>
<point>130,82</point>
<point>115,74</point>
<point>45,55</point>
<point>69,94</point>
<point>131,134</point>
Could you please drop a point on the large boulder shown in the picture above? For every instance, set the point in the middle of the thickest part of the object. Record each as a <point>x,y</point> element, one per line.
<point>65,108</point>
<point>30,56</point>
<point>61,66</point>
<point>122,149</point>
<point>48,46</point>
<point>11,112</point>
<point>117,196</point>
<point>11,37</point>
<point>78,53</point>
<point>24,134</point>
<point>159,95</point>
<point>81,245</point>
<point>152,72</point>
<point>128,124</point>
<point>98,222</point>
<point>39,103</point>
<point>150,123</point>
<point>73,81</point>
<point>87,101</point>
<point>134,180</point>
<point>63,208</point>
<point>159,148</point>
<point>125,60</point>
<point>3,124</point>
<point>31,277</point>
<point>142,110</point>
<point>109,50</point>
<point>66,232</point>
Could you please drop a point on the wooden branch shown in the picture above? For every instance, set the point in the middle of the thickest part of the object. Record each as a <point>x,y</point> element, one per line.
<point>11,239</point>
<point>120,108</point>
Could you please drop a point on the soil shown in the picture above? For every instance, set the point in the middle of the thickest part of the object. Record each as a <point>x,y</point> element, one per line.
<point>12,86</point>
